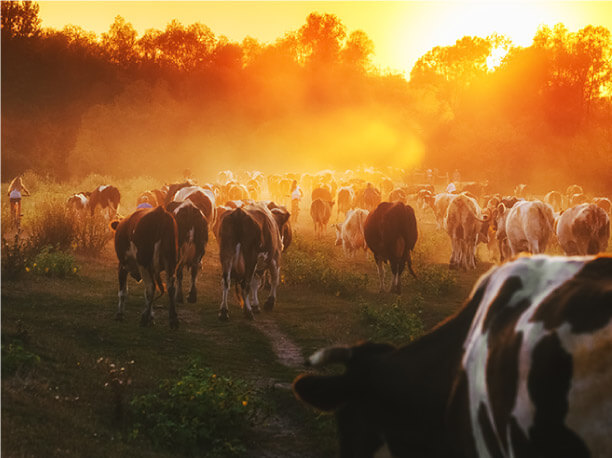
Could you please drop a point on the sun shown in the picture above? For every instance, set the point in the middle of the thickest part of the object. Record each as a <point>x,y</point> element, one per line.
<point>496,57</point>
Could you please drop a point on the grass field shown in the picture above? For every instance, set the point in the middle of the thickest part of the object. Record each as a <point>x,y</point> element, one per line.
<point>64,392</point>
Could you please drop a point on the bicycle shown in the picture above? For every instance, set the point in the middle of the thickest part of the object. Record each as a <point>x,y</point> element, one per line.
<point>16,214</point>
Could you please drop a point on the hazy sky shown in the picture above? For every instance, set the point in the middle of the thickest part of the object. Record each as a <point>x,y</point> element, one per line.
<point>401,31</point>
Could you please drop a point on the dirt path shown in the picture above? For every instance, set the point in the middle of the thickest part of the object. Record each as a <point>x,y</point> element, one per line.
<point>287,352</point>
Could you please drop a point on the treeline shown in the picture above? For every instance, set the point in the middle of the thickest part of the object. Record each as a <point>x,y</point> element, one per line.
<point>183,97</point>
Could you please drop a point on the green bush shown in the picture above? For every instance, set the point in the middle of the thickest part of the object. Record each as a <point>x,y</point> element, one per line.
<point>53,263</point>
<point>393,322</point>
<point>15,256</point>
<point>309,265</point>
<point>15,357</point>
<point>201,413</point>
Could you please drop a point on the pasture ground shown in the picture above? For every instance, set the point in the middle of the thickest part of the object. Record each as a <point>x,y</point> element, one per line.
<point>61,407</point>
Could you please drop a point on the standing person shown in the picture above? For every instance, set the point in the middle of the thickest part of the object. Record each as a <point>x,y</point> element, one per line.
<point>296,195</point>
<point>16,190</point>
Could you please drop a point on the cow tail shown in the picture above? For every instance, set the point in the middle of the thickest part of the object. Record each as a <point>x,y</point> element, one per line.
<point>410,236</point>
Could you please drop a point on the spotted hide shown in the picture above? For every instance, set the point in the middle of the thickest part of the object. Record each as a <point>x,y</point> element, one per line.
<point>523,369</point>
<point>146,245</point>
<point>390,231</point>
<point>192,239</point>
<point>107,197</point>
<point>249,246</point>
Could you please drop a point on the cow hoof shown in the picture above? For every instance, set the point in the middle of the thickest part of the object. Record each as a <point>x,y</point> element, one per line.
<point>249,314</point>
<point>256,309</point>
<point>192,298</point>
<point>269,305</point>
<point>119,316</point>
<point>223,315</point>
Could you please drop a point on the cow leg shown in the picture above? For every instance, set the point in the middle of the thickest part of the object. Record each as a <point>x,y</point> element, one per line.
<point>193,292</point>
<point>147,314</point>
<point>275,272</point>
<point>123,290</point>
<point>223,312</point>
<point>179,284</point>
<point>172,316</point>
<point>249,272</point>
<point>254,286</point>
<point>380,267</point>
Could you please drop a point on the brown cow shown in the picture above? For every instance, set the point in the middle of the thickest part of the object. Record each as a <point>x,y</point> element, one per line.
<point>146,245</point>
<point>346,196</point>
<point>192,239</point>
<point>322,192</point>
<point>203,198</point>
<point>320,211</point>
<point>583,229</point>
<point>107,197</point>
<point>391,233</point>
<point>249,243</point>
<point>78,201</point>
<point>466,226</point>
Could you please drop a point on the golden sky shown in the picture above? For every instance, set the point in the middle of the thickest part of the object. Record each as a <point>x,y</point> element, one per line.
<point>401,31</point>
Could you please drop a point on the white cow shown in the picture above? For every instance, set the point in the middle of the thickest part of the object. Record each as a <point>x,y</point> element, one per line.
<point>349,233</point>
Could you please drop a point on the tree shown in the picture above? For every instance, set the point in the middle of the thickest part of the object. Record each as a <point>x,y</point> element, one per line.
<point>20,19</point>
<point>321,39</point>
<point>120,42</point>
<point>357,51</point>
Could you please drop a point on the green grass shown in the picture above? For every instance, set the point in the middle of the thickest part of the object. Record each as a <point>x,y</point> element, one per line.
<point>60,336</point>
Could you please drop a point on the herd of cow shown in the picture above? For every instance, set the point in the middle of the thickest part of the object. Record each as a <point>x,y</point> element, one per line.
<point>523,369</point>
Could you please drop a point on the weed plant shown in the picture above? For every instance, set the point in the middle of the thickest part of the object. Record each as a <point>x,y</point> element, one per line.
<point>201,413</point>
<point>394,322</point>
<point>16,358</point>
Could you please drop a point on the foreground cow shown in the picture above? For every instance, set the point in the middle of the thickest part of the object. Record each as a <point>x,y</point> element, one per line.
<point>350,233</point>
<point>584,229</point>
<point>524,369</point>
<point>249,243</point>
<point>391,233</point>
<point>107,197</point>
<point>192,239</point>
<point>146,245</point>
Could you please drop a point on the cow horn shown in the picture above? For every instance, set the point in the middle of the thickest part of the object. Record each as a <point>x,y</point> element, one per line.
<point>329,355</point>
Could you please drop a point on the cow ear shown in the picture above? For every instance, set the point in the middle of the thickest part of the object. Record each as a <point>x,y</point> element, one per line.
<point>500,209</point>
<point>114,225</point>
<point>325,393</point>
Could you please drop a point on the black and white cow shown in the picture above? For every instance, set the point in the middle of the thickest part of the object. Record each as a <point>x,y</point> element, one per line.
<point>524,369</point>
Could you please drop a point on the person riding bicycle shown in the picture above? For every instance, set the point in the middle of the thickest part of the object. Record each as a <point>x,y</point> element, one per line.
<point>16,190</point>
<point>296,196</point>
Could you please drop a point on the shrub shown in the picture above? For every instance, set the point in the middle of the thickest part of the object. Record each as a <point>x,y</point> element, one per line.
<point>54,225</point>
<point>53,263</point>
<point>15,357</point>
<point>91,234</point>
<point>394,322</point>
<point>202,413</point>
<point>15,256</point>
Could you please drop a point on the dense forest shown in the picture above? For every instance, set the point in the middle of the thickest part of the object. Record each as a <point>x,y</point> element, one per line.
<point>121,104</point>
